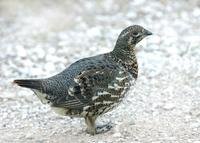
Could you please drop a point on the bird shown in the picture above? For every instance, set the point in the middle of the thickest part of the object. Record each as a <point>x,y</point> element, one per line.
<point>94,85</point>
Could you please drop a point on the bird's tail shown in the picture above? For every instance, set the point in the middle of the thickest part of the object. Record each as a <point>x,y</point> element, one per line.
<point>29,83</point>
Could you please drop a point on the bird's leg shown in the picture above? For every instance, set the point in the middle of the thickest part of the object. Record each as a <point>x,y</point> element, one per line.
<point>92,129</point>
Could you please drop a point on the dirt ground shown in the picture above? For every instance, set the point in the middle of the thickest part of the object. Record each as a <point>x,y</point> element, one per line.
<point>41,38</point>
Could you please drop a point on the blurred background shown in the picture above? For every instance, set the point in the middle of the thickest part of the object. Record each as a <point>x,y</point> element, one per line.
<point>41,38</point>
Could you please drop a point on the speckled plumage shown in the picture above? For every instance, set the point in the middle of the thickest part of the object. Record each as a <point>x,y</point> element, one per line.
<point>92,86</point>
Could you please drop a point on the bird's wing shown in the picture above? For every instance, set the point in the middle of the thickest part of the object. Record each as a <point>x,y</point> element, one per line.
<point>90,84</point>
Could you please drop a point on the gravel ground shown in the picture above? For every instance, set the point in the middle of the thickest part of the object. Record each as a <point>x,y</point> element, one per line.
<point>41,38</point>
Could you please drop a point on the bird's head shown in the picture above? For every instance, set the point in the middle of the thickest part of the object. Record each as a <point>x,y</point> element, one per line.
<point>133,34</point>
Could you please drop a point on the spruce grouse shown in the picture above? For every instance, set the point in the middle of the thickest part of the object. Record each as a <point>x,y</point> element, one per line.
<point>95,85</point>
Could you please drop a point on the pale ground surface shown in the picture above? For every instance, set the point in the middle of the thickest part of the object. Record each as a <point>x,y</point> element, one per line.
<point>40,38</point>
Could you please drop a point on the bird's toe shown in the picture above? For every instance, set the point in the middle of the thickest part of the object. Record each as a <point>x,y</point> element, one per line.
<point>103,128</point>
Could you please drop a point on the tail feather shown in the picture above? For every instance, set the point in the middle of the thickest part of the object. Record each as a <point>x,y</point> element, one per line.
<point>29,83</point>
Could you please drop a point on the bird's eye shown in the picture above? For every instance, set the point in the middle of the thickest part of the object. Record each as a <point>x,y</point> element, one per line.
<point>136,34</point>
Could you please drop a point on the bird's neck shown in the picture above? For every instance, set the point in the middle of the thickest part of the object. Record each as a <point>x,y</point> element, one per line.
<point>125,52</point>
<point>125,55</point>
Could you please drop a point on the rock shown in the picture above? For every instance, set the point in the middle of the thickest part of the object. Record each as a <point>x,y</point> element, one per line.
<point>117,134</point>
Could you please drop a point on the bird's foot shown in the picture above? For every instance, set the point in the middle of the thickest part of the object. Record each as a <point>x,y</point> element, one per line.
<point>103,128</point>
<point>93,129</point>
<point>100,129</point>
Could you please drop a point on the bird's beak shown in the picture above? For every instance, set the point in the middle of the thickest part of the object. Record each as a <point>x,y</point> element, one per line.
<point>148,33</point>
